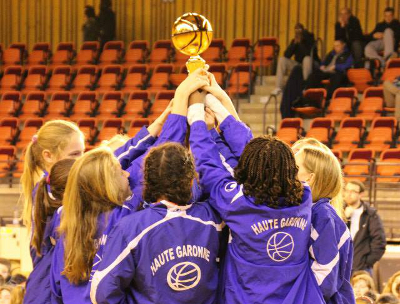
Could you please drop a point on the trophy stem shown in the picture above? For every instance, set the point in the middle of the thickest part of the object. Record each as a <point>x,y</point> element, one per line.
<point>194,63</point>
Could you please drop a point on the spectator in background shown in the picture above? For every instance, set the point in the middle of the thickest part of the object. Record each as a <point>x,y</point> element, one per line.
<point>106,22</point>
<point>348,29</point>
<point>333,67</point>
<point>90,28</point>
<point>387,299</point>
<point>365,226</point>
<point>362,283</point>
<point>300,47</point>
<point>385,37</point>
<point>5,269</point>
<point>391,92</point>
<point>393,285</point>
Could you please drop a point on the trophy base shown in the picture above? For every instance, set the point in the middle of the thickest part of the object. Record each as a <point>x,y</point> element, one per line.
<point>194,63</point>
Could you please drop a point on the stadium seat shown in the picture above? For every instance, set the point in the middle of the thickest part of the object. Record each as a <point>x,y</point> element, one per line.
<point>238,51</point>
<point>338,154</point>
<point>18,168</point>
<point>85,78</point>
<point>30,128</point>
<point>215,51</point>
<point>290,130</point>
<point>10,104</point>
<point>8,131</point>
<point>355,169</point>
<point>59,106</point>
<point>136,125</point>
<point>392,70</point>
<point>135,78</point>
<point>321,129</point>
<point>342,103</point>
<point>7,157</point>
<point>11,79</point>
<point>136,53</point>
<point>111,127</point>
<point>179,60</point>
<point>110,105</point>
<point>39,55</point>
<point>160,103</point>
<point>265,51</point>
<point>371,105</point>
<point>319,97</point>
<point>160,53</point>
<point>88,53</point>
<point>219,70</point>
<point>12,56</point>
<point>160,79</point>
<point>136,105</point>
<point>63,55</point>
<point>111,54</point>
<point>34,105</point>
<point>240,79</point>
<point>389,166</point>
<point>360,78</point>
<point>176,78</point>
<point>35,80</point>
<point>85,106</point>
<point>110,78</point>
<point>350,134</point>
<point>381,134</point>
<point>88,126</point>
<point>60,79</point>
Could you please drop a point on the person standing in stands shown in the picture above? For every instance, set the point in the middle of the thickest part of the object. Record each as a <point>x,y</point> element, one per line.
<point>365,226</point>
<point>300,47</point>
<point>106,21</point>
<point>90,28</point>
<point>348,29</point>
<point>385,37</point>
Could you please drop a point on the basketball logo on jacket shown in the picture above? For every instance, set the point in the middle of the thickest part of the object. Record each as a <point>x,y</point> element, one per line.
<point>184,276</point>
<point>280,246</point>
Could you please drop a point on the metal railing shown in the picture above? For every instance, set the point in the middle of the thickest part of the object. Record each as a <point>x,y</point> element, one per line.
<point>272,96</point>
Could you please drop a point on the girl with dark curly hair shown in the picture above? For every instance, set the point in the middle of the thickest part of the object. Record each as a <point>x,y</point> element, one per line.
<point>268,211</point>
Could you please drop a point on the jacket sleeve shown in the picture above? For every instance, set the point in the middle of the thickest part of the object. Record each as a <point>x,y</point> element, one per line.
<point>115,272</point>
<point>377,240</point>
<point>214,177</point>
<point>225,152</point>
<point>55,275</point>
<point>291,49</point>
<point>236,134</point>
<point>342,67</point>
<point>325,251</point>
<point>340,32</point>
<point>134,147</point>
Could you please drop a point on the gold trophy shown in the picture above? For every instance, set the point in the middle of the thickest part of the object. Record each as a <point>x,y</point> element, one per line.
<point>192,35</point>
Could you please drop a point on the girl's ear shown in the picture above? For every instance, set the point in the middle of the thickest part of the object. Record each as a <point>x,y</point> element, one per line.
<point>310,179</point>
<point>48,157</point>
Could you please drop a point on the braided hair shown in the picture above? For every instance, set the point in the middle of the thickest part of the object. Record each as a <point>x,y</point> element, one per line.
<point>267,170</point>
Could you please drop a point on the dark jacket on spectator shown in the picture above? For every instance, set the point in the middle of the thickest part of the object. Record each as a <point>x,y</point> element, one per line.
<point>382,26</point>
<point>107,25</point>
<point>370,240</point>
<point>302,49</point>
<point>90,30</point>
<point>351,32</point>
<point>343,62</point>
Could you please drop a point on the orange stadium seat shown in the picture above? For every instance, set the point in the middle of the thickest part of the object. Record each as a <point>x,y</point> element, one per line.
<point>371,105</point>
<point>238,51</point>
<point>11,79</point>
<point>111,127</point>
<point>240,79</point>
<point>135,78</point>
<point>85,106</point>
<point>112,53</point>
<point>350,134</point>
<point>109,79</point>
<point>35,80</point>
<point>160,79</point>
<point>338,154</point>
<point>381,134</point>
<point>88,126</point>
<point>219,71</point>
<point>8,131</point>
<point>264,51</point>
<point>215,51</point>
<point>319,97</point>
<point>59,106</point>
<point>136,105</point>
<point>60,79</point>
<point>39,55</point>
<point>88,53</point>
<point>63,55</point>
<point>30,128</point>
<point>360,78</point>
<point>85,78</point>
<point>110,105</point>
<point>290,130</point>
<point>355,169</point>
<point>321,129</point>
<point>7,158</point>
<point>136,53</point>
<point>179,60</point>
<point>160,53</point>
<point>389,166</point>
<point>176,78</point>
<point>160,103</point>
<point>33,106</point>
<point>10,104</point>
<point>136,125</point>
<point>342,103</point>
<point>12,56</point>
<point>392,70</point>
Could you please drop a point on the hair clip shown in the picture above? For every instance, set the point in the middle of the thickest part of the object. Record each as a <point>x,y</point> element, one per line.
<point>34,138</point>
<point>48,179</point>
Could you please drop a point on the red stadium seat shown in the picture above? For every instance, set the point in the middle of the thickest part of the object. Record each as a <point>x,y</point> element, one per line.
<point>136,53</point>
<point>239,81</point>
<point>392,70</point>
<point>85,78</point>
<point>219,70</point>
<point>7,158</point>
<point>355,169</point>
<point>342,103</point>
<point>136,125</point>
<point>110,105</point>
<point>264,51</point>
<point>321,129</point>
<point>85,105</point>
<point>136,105</point>
<point>63,55</point>
<point>338,154</point>
<point>238,51</point>
<point>319,97</point>
<point>214,52</point>
<point>88,53</point>
<point>389,166</point>
<point>35,80</point>
<point>372,103</point>
<point>135,78</point>
<point>88,126</point>
<point>160,79</point>
<point>290,130</point>
<point>109,79</point>
<point>160,53</point>
<point>8,130</point>
<point>59,106</point>
<point>111,127</point>
<point>360,78</point>
<point>161,102</point>
<point>13,56</point>
<point>60,79</point>
<point>176,78</point>
<point>39,55</point>
<point>33,106</point>
<point>10,104</point>
<point>30,128</point>
<point>11,79</point>
<point>381,134</point>
<point>112,53</point>
<point>350,134</point>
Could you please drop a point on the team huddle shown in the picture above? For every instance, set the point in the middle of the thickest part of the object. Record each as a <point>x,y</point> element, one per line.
<point>190,210</point>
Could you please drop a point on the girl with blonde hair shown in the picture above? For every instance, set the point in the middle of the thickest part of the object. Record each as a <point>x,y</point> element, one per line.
<point>362,283</point>
<point>331,245</point>
<point>393,285</point>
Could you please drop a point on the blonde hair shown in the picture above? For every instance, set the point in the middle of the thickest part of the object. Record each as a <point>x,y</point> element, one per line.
<point>53,136</point>
<point>92,188</point>
<point>388,287</point>
<point>328,180</point>
<point>363,275</point>
<point>17,295</point>
<point>308,141</point>
<point>115,142</point>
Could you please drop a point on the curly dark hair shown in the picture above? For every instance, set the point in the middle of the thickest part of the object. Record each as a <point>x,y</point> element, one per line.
<point>267,170</point>
<point>169,171</point>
